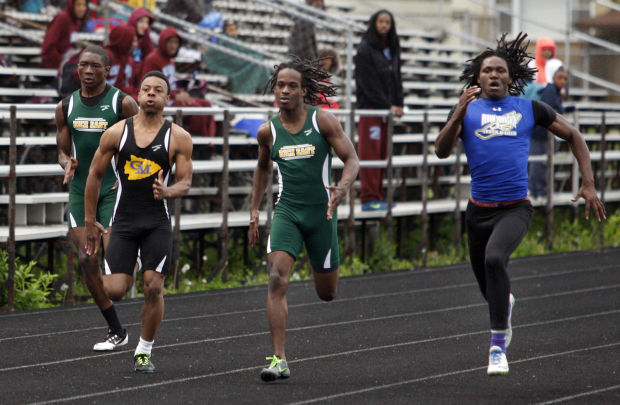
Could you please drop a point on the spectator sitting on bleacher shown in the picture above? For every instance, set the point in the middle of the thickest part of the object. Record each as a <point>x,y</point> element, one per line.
<point>122,76</point>
<point>61,31</point>
<point>161,59</point>
<point>302,42</point>
<point>243,76</point>
<point>141,20</point>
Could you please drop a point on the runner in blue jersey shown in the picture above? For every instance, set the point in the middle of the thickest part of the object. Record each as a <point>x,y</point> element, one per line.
<point>495,127</point>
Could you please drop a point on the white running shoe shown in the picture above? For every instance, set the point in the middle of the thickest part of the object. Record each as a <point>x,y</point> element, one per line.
<point>112,341</point>
<point>511,306</point>
<point>498,363</point>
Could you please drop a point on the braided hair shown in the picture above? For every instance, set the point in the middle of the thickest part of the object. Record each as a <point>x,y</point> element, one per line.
<point>313,78</point>
<point>516,57</point>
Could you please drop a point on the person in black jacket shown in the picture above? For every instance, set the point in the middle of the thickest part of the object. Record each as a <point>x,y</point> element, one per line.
<point>378,86</point>
<point>552,95</point>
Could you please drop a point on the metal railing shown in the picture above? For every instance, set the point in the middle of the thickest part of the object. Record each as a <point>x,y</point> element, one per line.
<point>422,162</point>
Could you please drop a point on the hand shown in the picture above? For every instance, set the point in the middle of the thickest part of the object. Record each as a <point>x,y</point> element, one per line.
<point>93,234</point>
<point>253,231</point>
<point>70,170</point>
<point>337,193</point>
<point>588,193</point>
<point>115,186</point>
<point>159,190</point>
<point>467,97</point>
<point>396,110</point>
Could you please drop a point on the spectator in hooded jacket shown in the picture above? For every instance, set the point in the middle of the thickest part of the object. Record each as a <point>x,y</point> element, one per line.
<point>378,86</point>
<point>122,76</point>
<point>141,20</point>
<point>61,31</point>
<point>161,59</point>
<point>302,41</point>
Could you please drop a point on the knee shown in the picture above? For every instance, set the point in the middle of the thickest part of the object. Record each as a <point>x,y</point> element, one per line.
<point>328,295</point>
<point>152,291</point>
<point>114,291</point>
<point>89,264</point>
<point>494,263</point>
<point>277,283</point>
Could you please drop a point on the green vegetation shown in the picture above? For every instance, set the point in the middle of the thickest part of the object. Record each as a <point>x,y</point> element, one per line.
<point>35,288</point>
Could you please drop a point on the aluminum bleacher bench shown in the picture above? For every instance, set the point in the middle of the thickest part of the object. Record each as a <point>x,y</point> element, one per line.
<point>38,209</point>
<point>27,71</point>
<point>28,92</point>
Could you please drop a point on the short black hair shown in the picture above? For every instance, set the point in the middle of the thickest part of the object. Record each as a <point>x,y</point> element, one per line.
<point>97,50</point>
<point>313,78</point>
<point>159,74</point>
<point>514,53</point>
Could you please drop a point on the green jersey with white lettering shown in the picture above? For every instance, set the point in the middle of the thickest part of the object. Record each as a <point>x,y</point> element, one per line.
<point>304,161</point>
<point>87,124</point>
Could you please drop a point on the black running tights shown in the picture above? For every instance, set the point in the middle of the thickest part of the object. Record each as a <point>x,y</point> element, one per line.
<point>494,233</point>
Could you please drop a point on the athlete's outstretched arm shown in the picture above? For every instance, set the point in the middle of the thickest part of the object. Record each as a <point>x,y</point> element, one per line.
<point>101,160</point>
<point>63,145</point>
<point>181,153</point>
<point>449,134</point>
<point>335,136</point>
<point>563,129</point>
<point>264,168</point>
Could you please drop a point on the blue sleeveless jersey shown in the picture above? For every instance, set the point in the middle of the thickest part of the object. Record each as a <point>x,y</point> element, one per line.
<point>496,137</point>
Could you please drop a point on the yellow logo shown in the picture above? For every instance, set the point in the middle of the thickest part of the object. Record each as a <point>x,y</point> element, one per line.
<point>297,151</point>
<point>138,168</point>
<point>90,124</point>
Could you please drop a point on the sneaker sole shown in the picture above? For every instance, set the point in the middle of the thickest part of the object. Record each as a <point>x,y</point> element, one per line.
<point>145,371</point>
<point>494,373</point>
<point>268,377</point>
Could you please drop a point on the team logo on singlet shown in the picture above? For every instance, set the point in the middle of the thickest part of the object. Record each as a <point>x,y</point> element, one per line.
<point>88,124</point>
<point>498,125</point>
<point>292,152</point>
<point>138,168</point>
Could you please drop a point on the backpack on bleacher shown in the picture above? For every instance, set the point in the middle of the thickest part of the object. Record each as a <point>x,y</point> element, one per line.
<point>67,78</point>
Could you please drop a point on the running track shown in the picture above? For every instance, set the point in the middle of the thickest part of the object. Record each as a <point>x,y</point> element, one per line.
<point>416,337</point>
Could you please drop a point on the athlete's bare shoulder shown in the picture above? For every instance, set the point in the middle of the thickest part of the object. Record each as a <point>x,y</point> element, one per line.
<point>180,133</point>
<point>263,135</point>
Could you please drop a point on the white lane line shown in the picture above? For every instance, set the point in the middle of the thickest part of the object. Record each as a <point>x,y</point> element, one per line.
<point>385,386</point>
<point>451,373</point>
<point>246,290</point>
<point>580,395</point>
<point>343,323</point>
<point>306,304</point>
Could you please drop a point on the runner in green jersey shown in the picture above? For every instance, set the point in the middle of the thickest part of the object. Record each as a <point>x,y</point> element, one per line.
<point>300,139</point>
<point>81,119</point>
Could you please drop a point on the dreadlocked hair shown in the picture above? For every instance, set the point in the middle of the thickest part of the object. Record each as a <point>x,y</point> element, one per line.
<point>516,57</point>
<point>313,79</point>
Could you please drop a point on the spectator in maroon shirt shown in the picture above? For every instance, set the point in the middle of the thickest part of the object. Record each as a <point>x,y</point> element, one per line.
<point>141,20</point>
<point>60,32</point>
<point>122,76</point>
<point>161,59</point>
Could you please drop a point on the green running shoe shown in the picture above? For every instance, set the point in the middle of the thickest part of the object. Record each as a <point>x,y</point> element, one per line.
<point>277,369</point>
<point>142,363</point>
